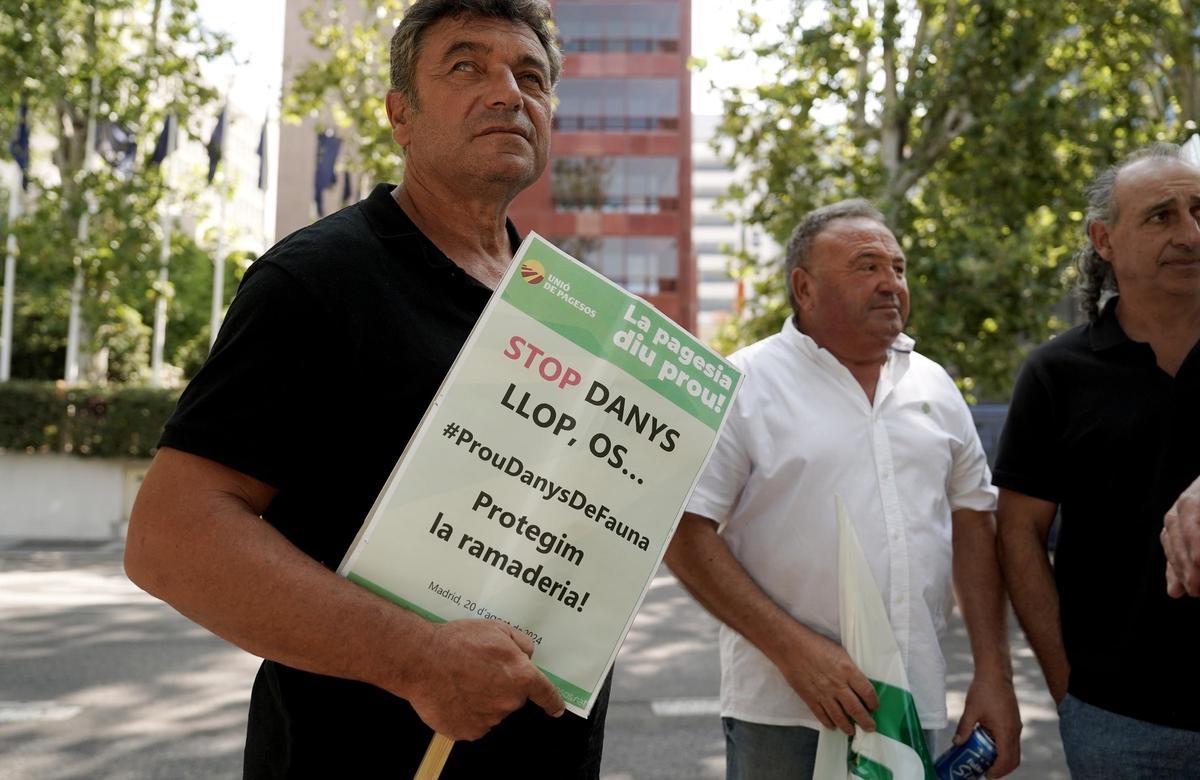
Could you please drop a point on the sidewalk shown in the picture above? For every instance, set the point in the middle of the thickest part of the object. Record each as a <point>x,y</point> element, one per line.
<point>97,679</point>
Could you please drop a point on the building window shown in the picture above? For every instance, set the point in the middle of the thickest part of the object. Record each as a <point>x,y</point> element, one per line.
<point>636,28</point>
<point>644,265</point>
<point>633,185</point>
<point>617,105</point>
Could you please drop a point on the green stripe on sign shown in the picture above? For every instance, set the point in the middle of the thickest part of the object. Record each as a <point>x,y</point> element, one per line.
<point>379,590</point>
<point>571,692</point>
<point>562,301</point>
<point>895,719</point>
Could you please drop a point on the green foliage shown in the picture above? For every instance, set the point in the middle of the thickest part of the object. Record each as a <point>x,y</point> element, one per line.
<point>973,125</point>
<point>343,88</point>
<point>126,341</point>
<point>102,422</point>
<point>146,56</point>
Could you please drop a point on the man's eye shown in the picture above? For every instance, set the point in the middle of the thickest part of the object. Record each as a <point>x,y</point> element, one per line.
<point>532,78</point>
<point>464,66</point>
<point>1158,216</point>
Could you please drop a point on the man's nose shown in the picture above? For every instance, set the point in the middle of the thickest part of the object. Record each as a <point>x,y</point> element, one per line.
<point>890,280</point>
<point>503,91</point>
<point>1189,233</point>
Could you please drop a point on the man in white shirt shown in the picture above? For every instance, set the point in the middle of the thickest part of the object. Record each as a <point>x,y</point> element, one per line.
<point>838,403</point>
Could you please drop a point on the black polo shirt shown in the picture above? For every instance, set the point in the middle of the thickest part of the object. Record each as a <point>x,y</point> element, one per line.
<point>1098,428</point>
<point>334,345</point>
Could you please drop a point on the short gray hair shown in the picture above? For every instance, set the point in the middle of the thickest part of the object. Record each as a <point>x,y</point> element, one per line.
<point>1096,275</point>
<point>406,41</point>
<point>799,246</point>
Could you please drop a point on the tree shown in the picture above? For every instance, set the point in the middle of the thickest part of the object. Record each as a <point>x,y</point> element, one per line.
<point>345,86</point>
<point>973,124</point>
<point>143,59</point>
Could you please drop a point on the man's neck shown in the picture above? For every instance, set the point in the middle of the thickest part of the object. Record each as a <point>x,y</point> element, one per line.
<point>1171,327</point>
<point>471,230</point>
<point>864,365</point>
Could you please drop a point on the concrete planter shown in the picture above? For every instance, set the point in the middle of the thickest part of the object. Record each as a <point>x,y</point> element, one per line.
<point>66,497</point>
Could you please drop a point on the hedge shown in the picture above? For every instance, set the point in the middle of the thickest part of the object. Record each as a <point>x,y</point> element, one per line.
<point>89,421</point>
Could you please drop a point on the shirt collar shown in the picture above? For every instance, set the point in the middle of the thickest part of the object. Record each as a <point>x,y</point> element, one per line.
<point>1106,332</point>
<point>390,222</point>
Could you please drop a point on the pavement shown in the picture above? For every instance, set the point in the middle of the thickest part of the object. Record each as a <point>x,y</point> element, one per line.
<point>99,680</point>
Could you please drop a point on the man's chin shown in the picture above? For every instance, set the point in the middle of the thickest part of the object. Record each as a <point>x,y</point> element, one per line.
<point>512,170</point>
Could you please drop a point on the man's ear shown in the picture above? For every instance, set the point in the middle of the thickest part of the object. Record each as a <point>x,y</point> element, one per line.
<point>801,283</point>
<point>398,112</point>
<point>1101,239</point>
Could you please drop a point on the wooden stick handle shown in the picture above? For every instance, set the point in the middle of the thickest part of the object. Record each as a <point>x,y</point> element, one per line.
<point>435,758</point>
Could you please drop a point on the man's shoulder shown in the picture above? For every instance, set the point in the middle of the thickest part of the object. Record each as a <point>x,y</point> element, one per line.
<point>325,250</point>
<point>928,370</point>
<point>1066,344</point>
<point>1062,353</point>
<point>769,349</point>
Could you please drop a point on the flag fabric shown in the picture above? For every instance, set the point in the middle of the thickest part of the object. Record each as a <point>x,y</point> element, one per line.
<point>166,141</point>
<point>117,146</point>
<point>18,147</point>
<point>216,144</point>
<point>896,749</point>
<point>1191,149</point>
<point>328,146</point>
<point>262,157</point>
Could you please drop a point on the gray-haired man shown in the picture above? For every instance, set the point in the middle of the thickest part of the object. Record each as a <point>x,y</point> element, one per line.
<point>332,349</point>
<point>838,403</point>
<point>1104,425</point>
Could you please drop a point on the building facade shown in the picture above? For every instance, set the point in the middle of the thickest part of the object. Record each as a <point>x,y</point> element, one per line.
<point>617,192</point>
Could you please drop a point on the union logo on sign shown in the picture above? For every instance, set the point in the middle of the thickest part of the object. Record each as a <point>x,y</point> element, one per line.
<point>533,272</point>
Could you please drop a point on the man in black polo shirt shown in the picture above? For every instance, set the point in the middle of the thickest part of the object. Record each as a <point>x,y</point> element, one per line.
<point>333,347</point>
<point>1104,425</point>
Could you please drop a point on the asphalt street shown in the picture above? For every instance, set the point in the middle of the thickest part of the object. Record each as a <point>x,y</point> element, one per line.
<point>99,680</point>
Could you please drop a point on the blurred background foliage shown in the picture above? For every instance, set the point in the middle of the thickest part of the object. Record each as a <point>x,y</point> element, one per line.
<point>344,87</point>
<point>974,125</point>
<point>145,58</point>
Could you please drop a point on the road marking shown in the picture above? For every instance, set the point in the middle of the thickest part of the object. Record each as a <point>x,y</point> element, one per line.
<point>677,708</point>
<point>17,711</point>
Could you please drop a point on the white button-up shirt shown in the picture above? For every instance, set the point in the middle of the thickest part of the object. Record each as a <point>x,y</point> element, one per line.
<point>802,431</point>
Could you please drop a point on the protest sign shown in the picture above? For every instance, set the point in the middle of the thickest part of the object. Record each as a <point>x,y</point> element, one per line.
<point>546,478</point>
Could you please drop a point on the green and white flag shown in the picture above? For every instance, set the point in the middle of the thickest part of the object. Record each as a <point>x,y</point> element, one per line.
<point>896,749</point>
<point>1191,149</point>
<point>546,477</point>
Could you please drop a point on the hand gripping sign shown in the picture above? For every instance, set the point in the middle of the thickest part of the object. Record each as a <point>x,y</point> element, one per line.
<point>546,477</point>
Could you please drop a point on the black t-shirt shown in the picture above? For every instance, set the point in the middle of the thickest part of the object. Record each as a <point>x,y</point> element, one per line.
<point>1098,428</point>
<point>334,345</point>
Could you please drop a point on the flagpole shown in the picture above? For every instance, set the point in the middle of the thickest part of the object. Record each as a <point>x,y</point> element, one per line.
<point>164,261</point>
<point>267,232</point>
<point>10,276</point>
<point>218,288</point>
<point>218,294</point>
<point>71,373</point>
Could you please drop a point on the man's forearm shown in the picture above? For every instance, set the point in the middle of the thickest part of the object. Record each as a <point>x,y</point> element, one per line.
<point>212,558</point>
<point>1030,583</point>
<point>979,589</point>
<point>196,541</point>
<point>818,669</point>
<point>704,565</point>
